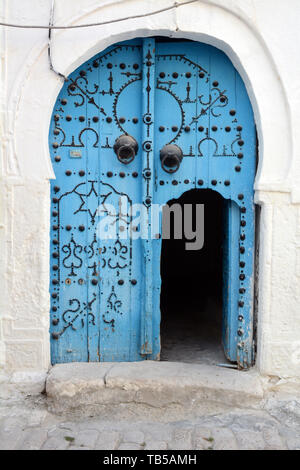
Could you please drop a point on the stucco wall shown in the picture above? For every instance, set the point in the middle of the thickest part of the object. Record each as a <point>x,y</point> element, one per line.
<point>261,38</point>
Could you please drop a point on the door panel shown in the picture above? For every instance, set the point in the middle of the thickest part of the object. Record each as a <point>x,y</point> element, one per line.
<point>105,291</point>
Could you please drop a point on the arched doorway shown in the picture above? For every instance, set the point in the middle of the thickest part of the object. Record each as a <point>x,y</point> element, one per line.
<point>191,291</point>
<point>184,95</point>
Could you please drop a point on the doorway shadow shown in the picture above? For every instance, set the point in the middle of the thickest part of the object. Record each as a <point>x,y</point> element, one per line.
<point>191,292</point>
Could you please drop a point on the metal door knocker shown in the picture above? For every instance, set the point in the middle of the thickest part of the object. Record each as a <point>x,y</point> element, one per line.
<point>171,157</point>
<point>126,148</point>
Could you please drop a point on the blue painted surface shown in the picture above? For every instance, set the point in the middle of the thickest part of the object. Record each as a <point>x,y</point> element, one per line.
<point>105,294</point>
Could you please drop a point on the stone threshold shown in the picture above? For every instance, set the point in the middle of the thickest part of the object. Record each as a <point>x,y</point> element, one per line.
<point>150,389</point>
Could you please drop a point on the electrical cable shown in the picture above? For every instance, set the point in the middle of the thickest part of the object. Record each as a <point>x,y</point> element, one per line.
<point>117,20</point>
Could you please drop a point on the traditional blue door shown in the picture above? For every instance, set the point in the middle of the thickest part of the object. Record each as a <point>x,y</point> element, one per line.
<point>145,121</point>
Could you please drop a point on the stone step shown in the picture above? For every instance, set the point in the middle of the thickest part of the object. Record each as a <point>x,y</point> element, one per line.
<point>149,389</point>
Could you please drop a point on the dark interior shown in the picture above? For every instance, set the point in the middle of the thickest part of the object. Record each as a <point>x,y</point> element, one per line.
<point>191,292</point>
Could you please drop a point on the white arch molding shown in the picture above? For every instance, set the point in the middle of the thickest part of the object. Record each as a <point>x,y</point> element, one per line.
<point>34,95</point>
<point>203,22</point>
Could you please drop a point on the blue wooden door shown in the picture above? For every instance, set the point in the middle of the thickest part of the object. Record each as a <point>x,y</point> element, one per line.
<point>105,290</point>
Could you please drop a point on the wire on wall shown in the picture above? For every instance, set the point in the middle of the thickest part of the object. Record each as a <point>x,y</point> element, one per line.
<point>61,75</point>
<point>51,26</point>
<point>102,23</point>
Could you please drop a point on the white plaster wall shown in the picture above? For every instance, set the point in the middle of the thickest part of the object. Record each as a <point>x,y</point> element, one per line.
<point>261,37</point>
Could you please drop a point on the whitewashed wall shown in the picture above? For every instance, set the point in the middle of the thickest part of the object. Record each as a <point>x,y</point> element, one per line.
<point>262,39</point>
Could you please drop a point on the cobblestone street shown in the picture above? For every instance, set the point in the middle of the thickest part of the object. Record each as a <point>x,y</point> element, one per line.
<point>28,425</point>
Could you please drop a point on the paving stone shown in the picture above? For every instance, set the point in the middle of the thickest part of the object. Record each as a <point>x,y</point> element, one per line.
<point>182,438</point>
<point>79,448</point>
<point>87,438</point>
<point>37,417</point>
<point>293,444</point>
<point>129,446</point>
<point>12,433</point>
<point>135,436</point>
<point>224,439</point>
<point>157,432</point>
<point>273,440</point>
<point>28,426</point>
<point>33,440</point>
<point>249,440</point>
<point>286,411</point>
<point>54,443</point>
<point>202,438</point>
<point>256,421</point>
<point>108,440</point>
<point>156,445</point>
